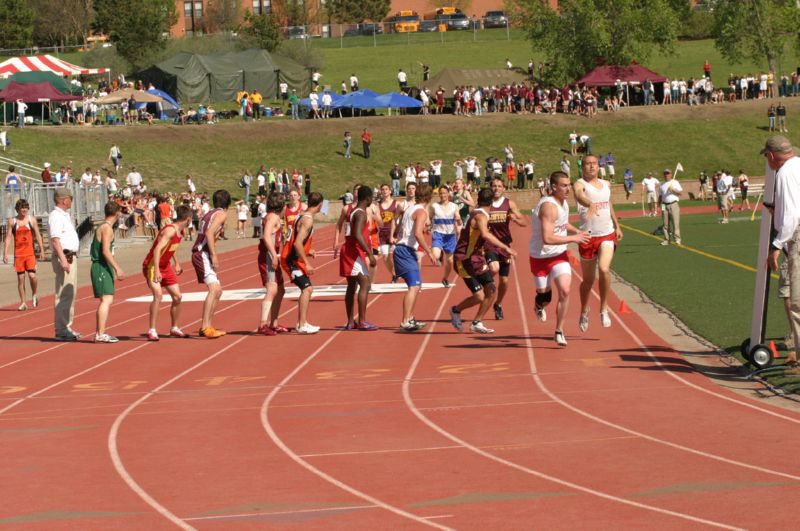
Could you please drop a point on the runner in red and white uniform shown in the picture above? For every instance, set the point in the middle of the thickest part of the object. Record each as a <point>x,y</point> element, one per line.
<point>600,221</point>
<point>292,210</point>
<point>206,261</point>
<point>548,250</point>
<point>355,259</point>
<point>159,272</point>
<point>23,229</point>
<point>388,213</point>
<point>269,265</point>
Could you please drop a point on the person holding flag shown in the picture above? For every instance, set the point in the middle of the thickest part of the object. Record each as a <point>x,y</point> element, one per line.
<point>670,191</point>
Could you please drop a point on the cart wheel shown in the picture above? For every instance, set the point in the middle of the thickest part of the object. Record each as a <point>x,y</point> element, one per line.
<point>745,349</point>
<point>761,356</point>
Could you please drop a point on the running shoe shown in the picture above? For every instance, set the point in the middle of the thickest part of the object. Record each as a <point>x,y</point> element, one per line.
<point>412,325</point>
<point>350,326</point>
<point>605,320</point>
<point>583,323</point>
<point>22,307</point>
<point>677,242</point>
<point>280,329</point>
<point>561,341</point>
<point>446,283</point>
<point>267,331</point>
<point>211,332</point>
<point>541,314</point>
<point>152,335</point>
<point>177,332</point>
<point>394,279</point>
<point>665,242</point>
<point>307,328</point>
<point>498,312</point>
<point>35,301</point>
<point>365,326</point>
<point>105,338</point>
<point>480,328</point>
<point>455,319</point>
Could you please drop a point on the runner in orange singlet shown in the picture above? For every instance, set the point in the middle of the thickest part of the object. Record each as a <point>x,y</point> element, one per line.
<point>23,229</point>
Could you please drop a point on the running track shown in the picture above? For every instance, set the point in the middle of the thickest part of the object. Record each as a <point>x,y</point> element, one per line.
<point>383,430</point>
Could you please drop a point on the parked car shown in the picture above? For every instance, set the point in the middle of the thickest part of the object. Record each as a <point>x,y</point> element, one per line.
<point>370,29</point>
<point>458,21</point>
<point>428,26</point>
<point>495,19</point>
<point>296,32</point>
<point>352,32</point>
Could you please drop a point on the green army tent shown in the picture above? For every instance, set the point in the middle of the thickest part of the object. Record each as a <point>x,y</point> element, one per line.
<point>194,78</point>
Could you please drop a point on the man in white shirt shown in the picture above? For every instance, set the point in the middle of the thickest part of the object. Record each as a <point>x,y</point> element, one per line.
<point>283,88</point>
<point>64,243</point>
<point>402,79</point>
<point>724,184</point>
<point>670,192</point>
<point>261,179</point>
<point>781,158</point>
<point>315,77</point>
<point>190,184</point>
<point>353,83</point>
<point>21,108</point>
<point>650,188</point>
<point>86,178</point>
<point>565,166</point>
<point>134,178</point>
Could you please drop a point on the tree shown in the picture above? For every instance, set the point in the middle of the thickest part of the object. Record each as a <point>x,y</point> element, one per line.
<point>583,33</point>
<point>356,11</point>
<point>139,29</point>
<point>222,15</point>
<point>16,24</point>
<point>59,23</point>
<point>755,29</point>
<point>262,30</point>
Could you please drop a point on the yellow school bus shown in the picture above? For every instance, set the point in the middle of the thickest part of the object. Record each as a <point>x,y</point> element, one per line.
<point>405,22</point>
<point>442,13</point>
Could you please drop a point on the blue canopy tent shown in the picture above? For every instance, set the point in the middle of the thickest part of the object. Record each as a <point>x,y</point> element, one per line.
<point>396,100</point>
<point>162,110</point>
<point>306,102</point>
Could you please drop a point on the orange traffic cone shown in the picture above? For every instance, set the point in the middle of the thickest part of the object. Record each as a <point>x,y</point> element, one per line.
<point>623,308</point>
<point>774,349</point>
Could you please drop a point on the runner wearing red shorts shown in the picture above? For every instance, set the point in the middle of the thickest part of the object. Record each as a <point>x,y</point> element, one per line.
<point>160,274</point>
<point>548,251</point>
<point>355,260</point>
<point>600,221</point>
<point>269,265</point>
<point>23,229</point>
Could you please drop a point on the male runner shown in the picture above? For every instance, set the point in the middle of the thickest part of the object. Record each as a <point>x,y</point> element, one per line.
<point>411,235</point>
<point>269,266</point>
<point>292,210</point>
<point>471,264</point>
<point>206,261</point>
<point>548,250</point>
<point>388,211</point>
<point>501,213</point>
<point>294,259</point>
<point>159,272</point>
<point>598,218</point>
<point>23,229</point>
<point>104,269</point>
<point>445,223</point>
<point>353,259</point>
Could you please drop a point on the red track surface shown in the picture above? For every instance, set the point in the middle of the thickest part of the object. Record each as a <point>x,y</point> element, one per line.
<point>377,430</point>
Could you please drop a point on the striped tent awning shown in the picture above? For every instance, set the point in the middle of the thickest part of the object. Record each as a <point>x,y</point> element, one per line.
<point>45,63</point>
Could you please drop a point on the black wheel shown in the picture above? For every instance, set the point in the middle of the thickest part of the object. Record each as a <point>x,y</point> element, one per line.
<point>761,356</point>
<point>745,349</point>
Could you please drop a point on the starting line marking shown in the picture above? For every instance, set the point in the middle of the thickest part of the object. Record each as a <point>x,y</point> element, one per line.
<point>292,292</point>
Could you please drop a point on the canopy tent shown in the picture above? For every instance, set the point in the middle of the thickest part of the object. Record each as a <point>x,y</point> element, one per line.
<point>45,63</point>
<point>608,75</point>
<point>306,102</point>
<point>397,100</point>
<point>360,99</point>
<point>218,77</point>
<point>127,93</point>
<point>33,93</point>
<point>166,109</point>
<point>55,80</point>
<point>450,78</point>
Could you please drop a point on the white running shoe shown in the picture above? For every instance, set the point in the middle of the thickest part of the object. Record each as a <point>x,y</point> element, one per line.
<point>541,314</point>
<point>583,323</point>
<point>22,307</point>
<point>605,320</point>
<point>105,338</point>
<point>561,341</point>
<point>307,328</point>
<point>480,328</point>
<point>35,301</point>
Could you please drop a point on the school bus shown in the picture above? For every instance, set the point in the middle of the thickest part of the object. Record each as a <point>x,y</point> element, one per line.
<point>442,13</point>
<point>406,21</point>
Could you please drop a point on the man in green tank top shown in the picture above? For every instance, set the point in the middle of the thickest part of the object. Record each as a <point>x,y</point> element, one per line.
<point>104,269</point>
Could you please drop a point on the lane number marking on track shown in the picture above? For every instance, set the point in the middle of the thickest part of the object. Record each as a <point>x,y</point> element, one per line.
<point>474,368</point>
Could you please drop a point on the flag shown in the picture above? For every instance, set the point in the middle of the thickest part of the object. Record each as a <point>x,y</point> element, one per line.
<point>679,167</point>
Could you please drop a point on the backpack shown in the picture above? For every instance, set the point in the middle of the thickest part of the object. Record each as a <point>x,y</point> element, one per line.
<point>242,184</point>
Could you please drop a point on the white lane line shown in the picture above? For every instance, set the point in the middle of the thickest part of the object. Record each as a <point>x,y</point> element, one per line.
<point>273,435</point>
<point>587,490</point>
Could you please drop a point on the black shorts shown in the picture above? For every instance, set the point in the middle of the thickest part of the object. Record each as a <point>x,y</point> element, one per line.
<point>301,282</point>
<point>475,284</point>
<point>505,265</point>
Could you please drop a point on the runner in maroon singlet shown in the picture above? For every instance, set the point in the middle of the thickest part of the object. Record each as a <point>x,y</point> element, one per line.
<point>388,211</point>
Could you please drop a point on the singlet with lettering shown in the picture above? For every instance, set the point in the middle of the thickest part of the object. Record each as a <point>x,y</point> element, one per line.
<point>23,238</point>
<point>387,217</point>
<point>601,223</point>
<point>406,235</point>
<point>470,241</point>
<point>166,252</point>
<point>538,249</point>
<point>498,224</point>
<point>201,244</point>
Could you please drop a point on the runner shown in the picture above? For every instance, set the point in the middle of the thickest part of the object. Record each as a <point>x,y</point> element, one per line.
<point>388,210</point>
<point>472,266</point>
<point>294,259</point>
<point>599,220</point>
<point>445,224</point>
<point>160,275</point>
<point>548,251</point>
<point>103,270</point>
<point>269,266</point>
<point>343,223</point>
<point>23,229</point>
<point>374,221</point>
<point>206,261</point>
<point>503,211</point>
<point>353,259</point>
<point>292,210</point>
<point>411,235</point>
<point>462,198</point>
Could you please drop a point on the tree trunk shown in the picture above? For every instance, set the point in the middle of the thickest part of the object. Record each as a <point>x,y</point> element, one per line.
<point>771,62</point>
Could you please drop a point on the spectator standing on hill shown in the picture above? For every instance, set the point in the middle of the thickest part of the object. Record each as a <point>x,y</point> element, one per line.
<point>402,79</point>
<point>348,143</point>
<point>780,112</point>
<point>255,104</point>
<point>21,108</point>
<point>134,178</point>
<point>627,182</point>
<point>707,69</point>
<point>115,156</point>
<point>771,116</point>
<point>353,83</point>
<point>703,185</point>
<point>294,102</point>
<point>315,77</point>
<point>283,89</point>
<point>744,185</point>
<point>46,176</point>
<point>394,176</point>
<point>723,187</point>
<point>366,142</point>
<point>781,158</point>
<point>610,167</point>
<point>650,189</point>
<point>670,192</point>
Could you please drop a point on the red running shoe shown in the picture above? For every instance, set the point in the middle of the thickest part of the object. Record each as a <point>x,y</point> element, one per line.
<point>267,331</point>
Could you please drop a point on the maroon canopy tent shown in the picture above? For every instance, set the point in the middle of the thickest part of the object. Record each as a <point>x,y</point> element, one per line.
<point>607,75</point>
<point>34,93</point>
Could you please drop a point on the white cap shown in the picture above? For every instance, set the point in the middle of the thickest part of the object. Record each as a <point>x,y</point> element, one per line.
<point>46,164</point>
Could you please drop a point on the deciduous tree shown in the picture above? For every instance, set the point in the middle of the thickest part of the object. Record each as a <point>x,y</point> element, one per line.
<point>16,24</point>
<point>262,30</point>
<point>139,29</point>
<point>355,11</point>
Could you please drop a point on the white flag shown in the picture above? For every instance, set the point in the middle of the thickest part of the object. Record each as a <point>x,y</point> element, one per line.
<point>679,167</point>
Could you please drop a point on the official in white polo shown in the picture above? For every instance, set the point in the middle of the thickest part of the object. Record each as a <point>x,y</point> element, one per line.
<point>669,192</point>
<point>64,244</point>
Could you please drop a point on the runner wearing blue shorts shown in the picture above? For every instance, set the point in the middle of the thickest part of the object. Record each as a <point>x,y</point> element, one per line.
<point>445,225</point>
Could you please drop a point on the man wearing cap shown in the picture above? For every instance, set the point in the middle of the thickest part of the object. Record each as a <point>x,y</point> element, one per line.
<point>786,219</point>
<point>670,191</point>
<point>47,178</point>
<point>650,187</point>
<point>64,242</point>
